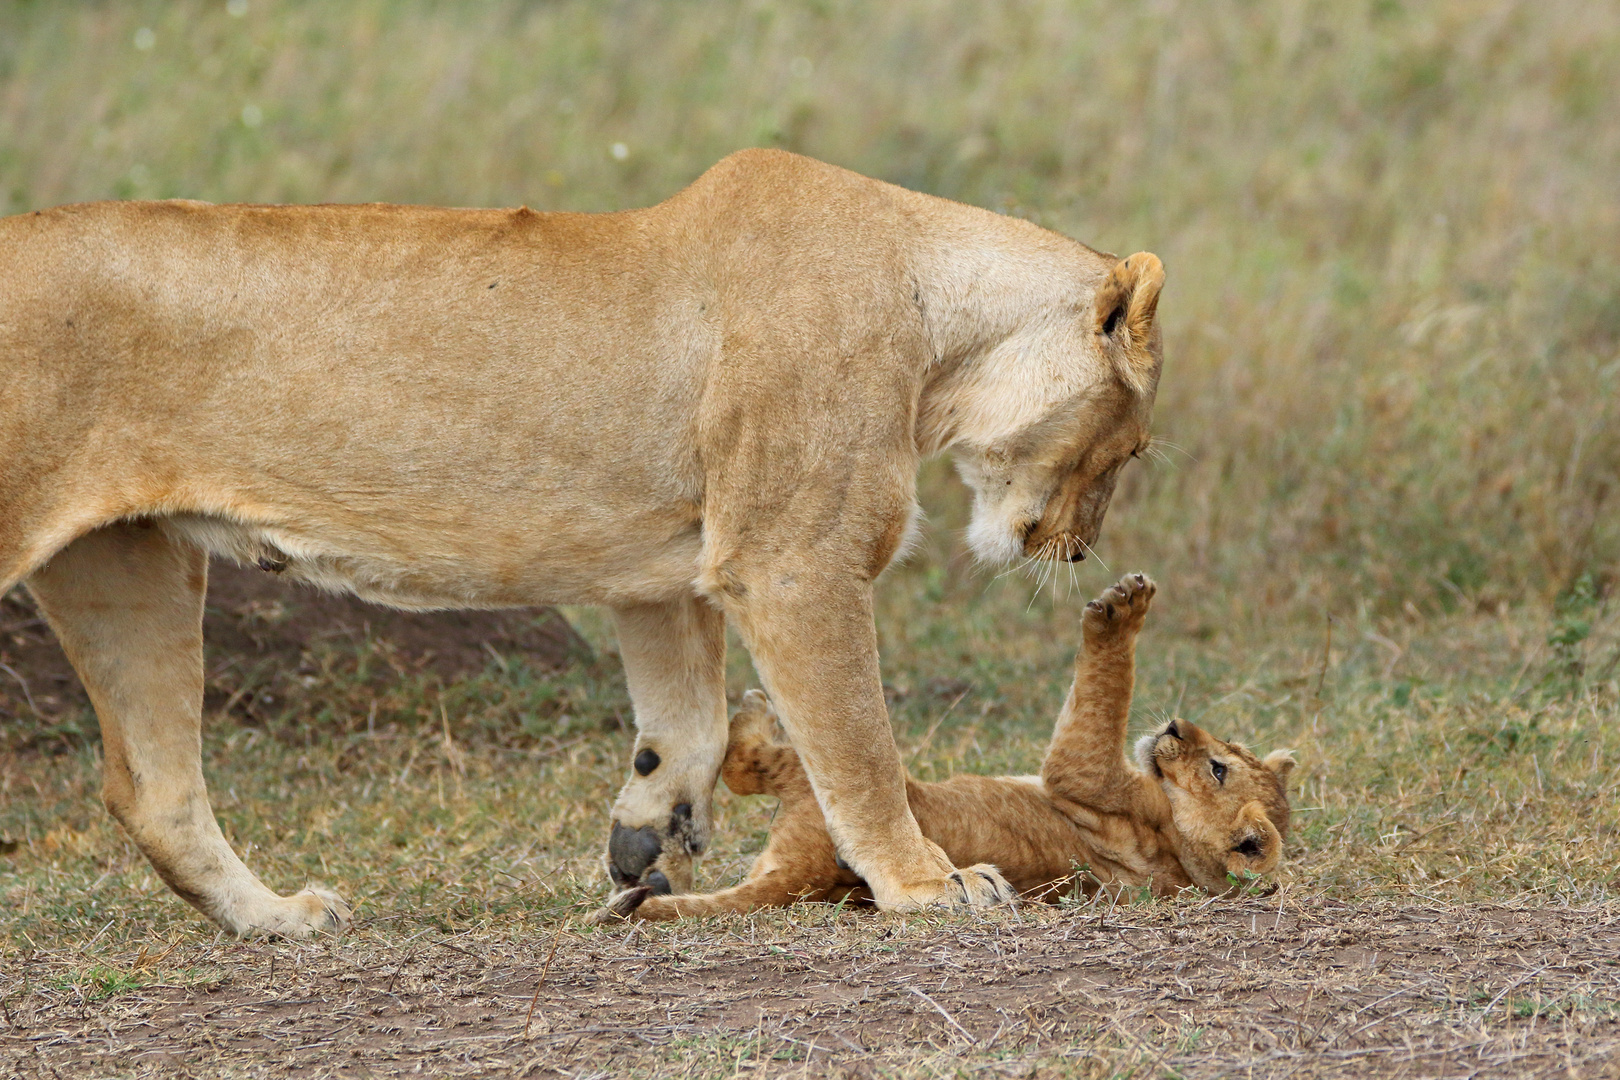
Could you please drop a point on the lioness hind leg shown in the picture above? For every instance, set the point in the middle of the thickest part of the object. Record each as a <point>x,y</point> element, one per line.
<point>674,660</point>
<point>126,603</point>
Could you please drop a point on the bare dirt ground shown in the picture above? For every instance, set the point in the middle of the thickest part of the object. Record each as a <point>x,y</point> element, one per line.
<point>1264,987</point>
<point>258,632</point>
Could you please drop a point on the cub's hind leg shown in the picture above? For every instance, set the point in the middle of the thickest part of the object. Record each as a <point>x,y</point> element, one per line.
<point>126,603</point>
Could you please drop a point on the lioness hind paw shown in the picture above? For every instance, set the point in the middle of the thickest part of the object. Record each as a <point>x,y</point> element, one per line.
<point>311,912</point>
<point>337,914</point>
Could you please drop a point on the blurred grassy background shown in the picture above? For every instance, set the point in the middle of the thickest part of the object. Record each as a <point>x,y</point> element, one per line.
<point>1393,347</point>
<point>1392,230</point>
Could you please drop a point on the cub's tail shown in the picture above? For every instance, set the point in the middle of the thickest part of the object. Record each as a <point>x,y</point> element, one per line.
<point>776,889</point>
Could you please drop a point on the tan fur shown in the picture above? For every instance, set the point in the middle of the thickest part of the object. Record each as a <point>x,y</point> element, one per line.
<point>712,407</point>
<point>1092,818</point>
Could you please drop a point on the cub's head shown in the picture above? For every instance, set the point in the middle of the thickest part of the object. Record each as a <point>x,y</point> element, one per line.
<point>1230,807</point>
<point>1057,411</point>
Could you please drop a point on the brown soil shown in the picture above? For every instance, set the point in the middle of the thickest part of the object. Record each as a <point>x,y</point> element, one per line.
<point>259,630</point>
<point>1256,988</point>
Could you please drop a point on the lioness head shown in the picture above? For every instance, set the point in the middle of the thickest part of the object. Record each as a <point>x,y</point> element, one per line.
<point>1230,807</point>
<point>1062,406</point>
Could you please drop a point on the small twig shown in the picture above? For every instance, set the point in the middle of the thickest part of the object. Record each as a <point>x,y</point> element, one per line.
<point>941,1010</point>
<point>392,978</point>
<point>1414,839</point>
<point>929,737</point>
<point>22,682</point>
<point>544,971</point>
<point>1327,654</point>
<point>1509,989</point>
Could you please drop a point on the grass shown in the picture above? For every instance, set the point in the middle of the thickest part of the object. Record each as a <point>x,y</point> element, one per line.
<point>1385,532</point>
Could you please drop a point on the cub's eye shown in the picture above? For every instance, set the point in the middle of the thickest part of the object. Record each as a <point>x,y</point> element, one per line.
<point>1217,769</point>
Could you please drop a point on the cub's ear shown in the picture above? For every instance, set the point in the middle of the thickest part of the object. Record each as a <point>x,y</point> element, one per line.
<point>1280,762</point>
<point>1123,310</point>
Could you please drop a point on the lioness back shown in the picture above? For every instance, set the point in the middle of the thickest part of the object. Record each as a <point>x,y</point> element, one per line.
<point>157,335</point>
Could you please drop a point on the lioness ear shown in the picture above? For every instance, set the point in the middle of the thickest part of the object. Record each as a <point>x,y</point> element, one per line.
<point>1123,311</point>
<point>1280,762</point>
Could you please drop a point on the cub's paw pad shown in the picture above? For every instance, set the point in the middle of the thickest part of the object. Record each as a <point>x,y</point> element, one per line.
<point>981,886</point>
<point>1121,607</point>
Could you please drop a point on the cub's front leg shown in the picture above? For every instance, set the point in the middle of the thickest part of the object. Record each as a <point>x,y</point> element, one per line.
<point>1085,762</point>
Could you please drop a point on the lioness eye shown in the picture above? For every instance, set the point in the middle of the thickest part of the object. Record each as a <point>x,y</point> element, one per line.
<point>1218,770</point>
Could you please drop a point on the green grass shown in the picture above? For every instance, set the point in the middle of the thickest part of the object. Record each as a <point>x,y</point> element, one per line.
<point>1388,538</point>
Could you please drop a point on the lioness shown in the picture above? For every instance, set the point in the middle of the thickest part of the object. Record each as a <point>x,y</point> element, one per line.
<point>713,407</point>
<point>1191,810</point>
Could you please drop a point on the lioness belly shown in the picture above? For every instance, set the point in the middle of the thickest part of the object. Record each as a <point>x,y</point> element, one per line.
<point>651,572</point>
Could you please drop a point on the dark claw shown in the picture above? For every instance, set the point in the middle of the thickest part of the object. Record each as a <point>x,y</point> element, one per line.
<point>631,851</point>
<point>623,906</point>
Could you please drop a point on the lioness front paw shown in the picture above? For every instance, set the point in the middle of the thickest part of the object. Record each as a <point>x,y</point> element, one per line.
<point>1117,615</point>
<point>970,886</point>
<point>658,854</point>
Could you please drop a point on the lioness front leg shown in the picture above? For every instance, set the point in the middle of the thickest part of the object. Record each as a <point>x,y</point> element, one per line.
<point>126,602</point>
<point>812,638</point>
<point>675,662</point>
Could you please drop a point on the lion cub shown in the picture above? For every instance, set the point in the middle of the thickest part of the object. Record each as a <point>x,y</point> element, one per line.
<point>1191,810</point>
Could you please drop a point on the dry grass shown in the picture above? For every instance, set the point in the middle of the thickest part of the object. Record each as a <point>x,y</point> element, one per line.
<point>1393,337</point>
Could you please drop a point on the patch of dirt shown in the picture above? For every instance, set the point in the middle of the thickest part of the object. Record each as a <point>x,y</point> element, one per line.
<point>1308,989</point>
<point>258,630</point>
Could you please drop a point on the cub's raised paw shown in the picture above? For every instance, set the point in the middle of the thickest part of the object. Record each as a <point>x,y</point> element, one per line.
<point>1117,615</point>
